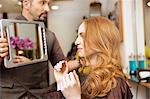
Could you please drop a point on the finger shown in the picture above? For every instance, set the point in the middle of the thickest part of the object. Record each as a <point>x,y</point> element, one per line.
<point>65,82</point>
<point>2,55</point>
<point>17,57</point>
<point>3,45</point>
<point>57,67</point>
<point>67,79</point>
<point>56,75</point>
<point>21,57</point>
<point>3,40</point>
<point>16,60</point>
<point>5,34</point>
<point>72,79</point>
<point>76,77</point>
<point>4,50</point>
<point>61,85</point>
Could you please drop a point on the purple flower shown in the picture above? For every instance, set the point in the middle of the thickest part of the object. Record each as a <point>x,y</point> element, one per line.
<point>21,44</point>
<point>14,42</point>
<point>18,43</point>
<point>28,43</point>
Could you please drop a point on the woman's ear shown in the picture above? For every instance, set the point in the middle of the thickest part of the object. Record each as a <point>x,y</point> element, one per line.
<point>26,4</point>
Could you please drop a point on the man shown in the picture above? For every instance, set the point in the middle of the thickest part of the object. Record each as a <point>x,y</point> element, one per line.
<point>31,81</point>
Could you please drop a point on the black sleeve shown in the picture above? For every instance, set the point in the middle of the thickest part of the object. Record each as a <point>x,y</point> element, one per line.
<point>55,53</point>
<point>1,62</point>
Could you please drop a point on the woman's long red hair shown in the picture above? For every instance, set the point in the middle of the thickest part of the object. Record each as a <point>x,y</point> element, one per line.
<point>103,40</point>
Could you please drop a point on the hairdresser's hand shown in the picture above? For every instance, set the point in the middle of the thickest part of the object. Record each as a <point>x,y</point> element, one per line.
<point>60,69</point>
<point>3,47</point>
<point>70,86</point>
<point>19,59</point>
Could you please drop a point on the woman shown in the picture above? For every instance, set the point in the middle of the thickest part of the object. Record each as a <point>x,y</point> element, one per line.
<point>98,45</point>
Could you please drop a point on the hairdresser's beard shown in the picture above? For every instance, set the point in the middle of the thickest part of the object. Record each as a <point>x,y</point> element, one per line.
<point>43,16</point>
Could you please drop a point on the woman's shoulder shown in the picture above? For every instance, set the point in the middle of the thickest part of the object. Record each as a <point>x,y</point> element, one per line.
<point>121,82</point>
<point>121,91</point>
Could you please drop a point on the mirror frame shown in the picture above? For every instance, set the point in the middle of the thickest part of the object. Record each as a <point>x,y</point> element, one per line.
<point>4,26</point>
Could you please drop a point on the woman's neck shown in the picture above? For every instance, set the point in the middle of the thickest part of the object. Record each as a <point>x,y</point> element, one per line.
<point>93,59</point>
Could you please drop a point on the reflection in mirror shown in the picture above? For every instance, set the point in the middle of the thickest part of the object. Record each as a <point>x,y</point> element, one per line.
<point>147,31</point>
<point>26,42</point>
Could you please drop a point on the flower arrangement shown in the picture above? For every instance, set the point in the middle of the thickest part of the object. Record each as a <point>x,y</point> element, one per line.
<point>21,44</point>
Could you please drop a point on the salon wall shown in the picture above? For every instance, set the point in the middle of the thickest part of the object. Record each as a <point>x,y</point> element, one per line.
<point>10,15</point>
<point>65,21</point>
<point>147,23</point>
